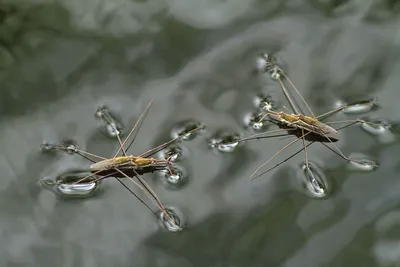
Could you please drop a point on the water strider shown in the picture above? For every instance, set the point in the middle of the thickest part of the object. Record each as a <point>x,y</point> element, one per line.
<point>129,166</point>
<point>303,127</point>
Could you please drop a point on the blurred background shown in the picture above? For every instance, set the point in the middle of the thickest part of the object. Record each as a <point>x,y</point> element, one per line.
<point>61,60</point>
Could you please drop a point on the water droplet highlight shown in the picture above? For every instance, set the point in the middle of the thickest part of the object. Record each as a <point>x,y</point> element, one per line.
<point>108,122</point>
<point>172,220</point>
<point>63,184</point>
<point>314,181</point>
<point>225,142</point>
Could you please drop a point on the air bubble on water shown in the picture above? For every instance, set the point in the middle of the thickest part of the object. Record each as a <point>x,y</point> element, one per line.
<point>183,129</point>
<point>362,163</point>
<point>172,219</point>
<point>173,153</point>
<point>314,181</point>
<point>379,128</point>
<point>361,107</point>
<point>108,122</point>
<point>175,178</point>
<point>225,142</point>
<point>63,184</point>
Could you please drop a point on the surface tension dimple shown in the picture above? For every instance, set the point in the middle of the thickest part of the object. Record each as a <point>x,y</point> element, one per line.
<point>224,142</point>
<point>108,122</point>
<point>63,184</point>
<point>313,180</point>
<point>183,128</point>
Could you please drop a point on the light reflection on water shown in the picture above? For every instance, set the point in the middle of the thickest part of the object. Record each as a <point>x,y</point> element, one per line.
<point>53,90</point>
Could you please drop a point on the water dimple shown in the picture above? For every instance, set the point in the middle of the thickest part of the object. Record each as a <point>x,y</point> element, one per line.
<point>275,74</point>
<point>173,153</point>
<point>266,62</point>
<point>187,129</point>
<point>360,107</point>
<point>172,219</point>
<point>225,142</point>
<point>256,121</point>
<point>175,178</point>
<point>265,102</point>
<point>108,122</point>
<point>64,184</point>
<point>379,128</point>
<point>46,147</point>
<point>269,63</point>
<point>314,181</point>
<point>69,146</point>
<point>362,163</point>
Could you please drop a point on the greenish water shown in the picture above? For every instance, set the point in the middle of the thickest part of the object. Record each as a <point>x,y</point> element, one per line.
<point>62,60</point>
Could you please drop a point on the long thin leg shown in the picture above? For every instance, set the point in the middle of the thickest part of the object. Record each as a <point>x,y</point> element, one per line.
<point>137,125</point>
<point>329,113</point>
<point>133,193</point>
<point>305,147</point>
<point>345,121</point>
<point>287,135</point>
<point>287,95</point>
<point>117,132</point>
<point>283,161</point>
<point>277,153</point>
<point>341,153</point>
<point>86,177</point>
<point>258,134</point>
<point>145,189</point>
<point>354,122</point>
<point>158,148</point>
<point>75,150</point>
<point>162,208</point>
<point>298,93</point>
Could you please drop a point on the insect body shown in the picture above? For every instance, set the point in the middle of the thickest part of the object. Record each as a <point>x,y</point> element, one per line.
<point>129,167</point>
<point>304,122</point>
<point>128,161</point>
<point>298,124</point>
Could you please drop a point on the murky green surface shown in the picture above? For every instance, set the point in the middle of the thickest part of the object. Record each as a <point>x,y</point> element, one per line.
<point>62,60</point>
